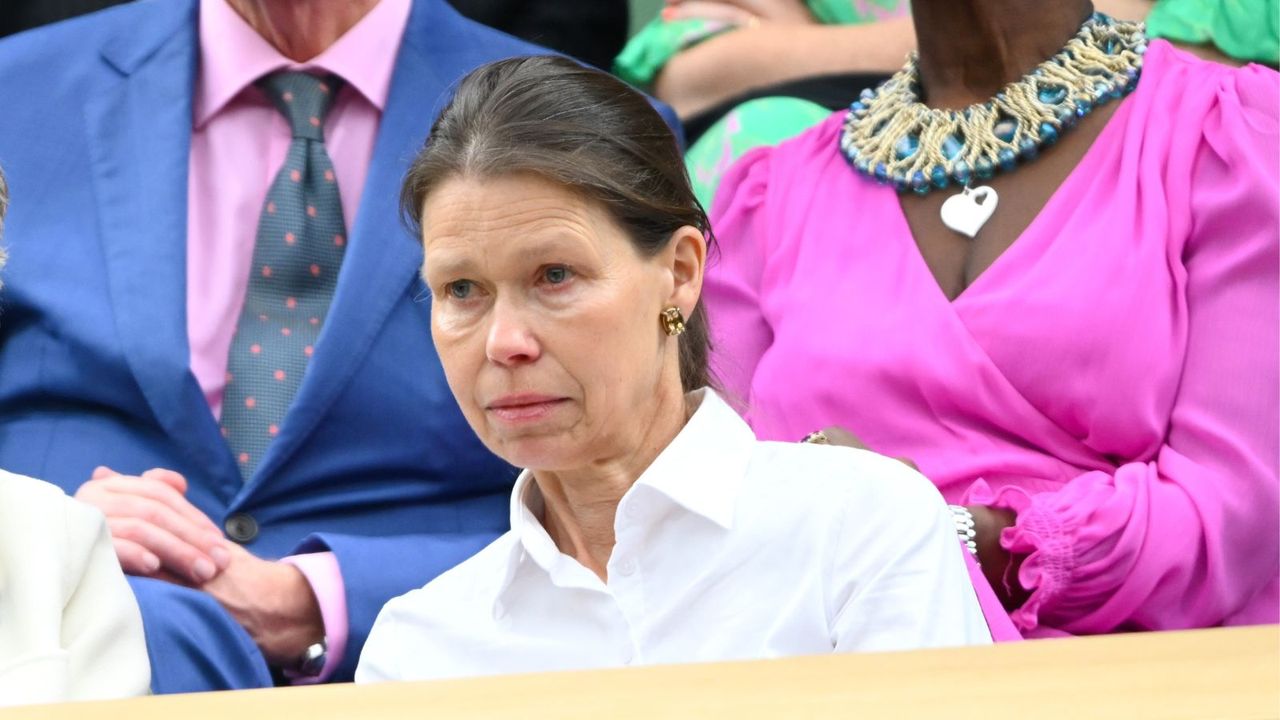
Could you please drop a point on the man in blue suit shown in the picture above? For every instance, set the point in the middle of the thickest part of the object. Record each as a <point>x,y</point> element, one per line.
<point>261,545</point>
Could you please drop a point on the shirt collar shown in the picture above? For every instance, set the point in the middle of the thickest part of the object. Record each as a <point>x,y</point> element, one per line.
<point>701,471</point>
<point>703,466</point>
<point>233,55</point>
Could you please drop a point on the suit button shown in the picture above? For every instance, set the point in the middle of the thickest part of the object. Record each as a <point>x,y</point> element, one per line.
<point>241,527</point>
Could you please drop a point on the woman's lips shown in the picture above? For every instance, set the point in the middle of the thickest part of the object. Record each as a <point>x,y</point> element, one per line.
<point>524,408</point>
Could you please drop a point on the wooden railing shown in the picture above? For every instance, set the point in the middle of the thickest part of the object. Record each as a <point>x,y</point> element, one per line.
<point>1224,673</point>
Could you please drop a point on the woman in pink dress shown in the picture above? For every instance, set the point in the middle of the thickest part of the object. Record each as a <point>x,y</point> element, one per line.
<point>1075,340</point>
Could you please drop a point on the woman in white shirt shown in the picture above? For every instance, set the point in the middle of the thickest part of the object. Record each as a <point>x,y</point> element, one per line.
<point>69,626</point>
<point>563,252</point>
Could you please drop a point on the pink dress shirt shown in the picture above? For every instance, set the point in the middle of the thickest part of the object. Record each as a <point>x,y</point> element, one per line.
<point>238,143</point>
<point>1112,377</point>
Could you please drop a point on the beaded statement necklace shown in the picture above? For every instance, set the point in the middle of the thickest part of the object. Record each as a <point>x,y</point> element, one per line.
<point>890,136</point>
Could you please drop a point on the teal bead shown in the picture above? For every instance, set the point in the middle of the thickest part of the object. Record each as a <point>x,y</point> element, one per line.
<point>906,147</point>
<point>961,172</point>
<point>1052,94</point>
<point>1048,134</point>
<point>882,173</point>
<point>984,168</point>
<point>1006,128</point>
<point>938,176</point>
<point>951,147</point>
<point>919,185</point>
<point>1028,149</point>
<point>1007,159</point>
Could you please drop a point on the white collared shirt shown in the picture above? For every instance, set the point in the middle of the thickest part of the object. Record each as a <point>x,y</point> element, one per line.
<point>727,548</point>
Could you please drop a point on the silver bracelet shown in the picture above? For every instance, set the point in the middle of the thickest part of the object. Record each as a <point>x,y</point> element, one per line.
<point>965,528</point>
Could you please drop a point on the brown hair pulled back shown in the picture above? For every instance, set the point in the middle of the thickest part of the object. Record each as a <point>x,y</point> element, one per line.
<point>580,128</point>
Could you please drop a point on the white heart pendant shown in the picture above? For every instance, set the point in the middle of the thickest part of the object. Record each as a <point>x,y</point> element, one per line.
<point>967,212</point>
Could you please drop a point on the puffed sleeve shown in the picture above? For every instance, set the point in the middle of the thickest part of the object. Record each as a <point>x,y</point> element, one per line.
<point>101,625</point>
<point>732,288</point>
<point>1188,539</point>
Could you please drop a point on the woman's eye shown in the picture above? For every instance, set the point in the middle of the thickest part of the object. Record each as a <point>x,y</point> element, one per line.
<point>459,289</point>
<point>555,274</point>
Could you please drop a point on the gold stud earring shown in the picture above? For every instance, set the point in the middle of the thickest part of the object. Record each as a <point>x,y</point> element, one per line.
<point>672,321</point>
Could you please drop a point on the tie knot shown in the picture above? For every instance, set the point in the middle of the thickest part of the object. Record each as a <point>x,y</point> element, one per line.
<point>303,99</point>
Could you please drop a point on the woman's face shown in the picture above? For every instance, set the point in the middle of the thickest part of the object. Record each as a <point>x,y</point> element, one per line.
<point>545,318</point>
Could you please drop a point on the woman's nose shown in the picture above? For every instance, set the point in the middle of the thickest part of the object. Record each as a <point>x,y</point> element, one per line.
<point>511,340</point>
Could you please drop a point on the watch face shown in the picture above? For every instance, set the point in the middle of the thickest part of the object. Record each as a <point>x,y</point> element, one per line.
<point>313,659</point>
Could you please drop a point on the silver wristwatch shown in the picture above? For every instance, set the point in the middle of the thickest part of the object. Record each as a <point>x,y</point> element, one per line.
<point>312,660</point>
<point>965,528</point>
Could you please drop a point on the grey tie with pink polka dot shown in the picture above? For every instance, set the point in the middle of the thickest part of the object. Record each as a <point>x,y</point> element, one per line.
<point>296,258</point>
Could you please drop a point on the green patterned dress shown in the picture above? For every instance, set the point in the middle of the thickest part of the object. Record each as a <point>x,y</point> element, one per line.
<point>1242,29</point>
<point>764,121</point>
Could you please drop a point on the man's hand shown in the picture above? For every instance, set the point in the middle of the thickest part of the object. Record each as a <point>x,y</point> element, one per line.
<point>272,601</point>
<point>740,12</point>
<point>156,531</point>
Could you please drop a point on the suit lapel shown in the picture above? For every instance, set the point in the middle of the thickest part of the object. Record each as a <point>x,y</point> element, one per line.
<point>139,126</point>
<point>382,260</point>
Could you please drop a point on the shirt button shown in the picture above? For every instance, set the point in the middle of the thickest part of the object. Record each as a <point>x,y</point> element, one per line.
<point>241,527</point>
<point>626,567</point>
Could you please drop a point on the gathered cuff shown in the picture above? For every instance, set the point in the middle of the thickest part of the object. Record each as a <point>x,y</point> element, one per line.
<point>1044,535</point>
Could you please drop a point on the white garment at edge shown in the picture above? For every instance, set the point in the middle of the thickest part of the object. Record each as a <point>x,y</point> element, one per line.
<point>69,626</point>
<point>727,548</point>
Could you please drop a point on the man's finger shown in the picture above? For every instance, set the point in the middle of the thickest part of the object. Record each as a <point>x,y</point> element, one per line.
<point>134,559</point>
<point>162,493</point>
<point>176,555</point>
<point>198,535</point>
<point>168,477</point>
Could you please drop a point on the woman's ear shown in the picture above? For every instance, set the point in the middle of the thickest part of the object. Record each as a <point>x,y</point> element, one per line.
<point>688,256</point>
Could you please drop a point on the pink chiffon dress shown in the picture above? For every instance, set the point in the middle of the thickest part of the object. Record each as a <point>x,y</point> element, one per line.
<point>1113,378</point>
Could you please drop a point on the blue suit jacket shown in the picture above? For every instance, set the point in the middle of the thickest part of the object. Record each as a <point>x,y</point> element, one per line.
<point>374,461</point>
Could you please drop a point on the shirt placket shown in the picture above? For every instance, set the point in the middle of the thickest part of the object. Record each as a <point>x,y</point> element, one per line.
<point>626,578</point>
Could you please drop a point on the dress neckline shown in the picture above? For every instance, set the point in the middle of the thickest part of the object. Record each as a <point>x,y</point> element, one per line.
<point>1032,235</point>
